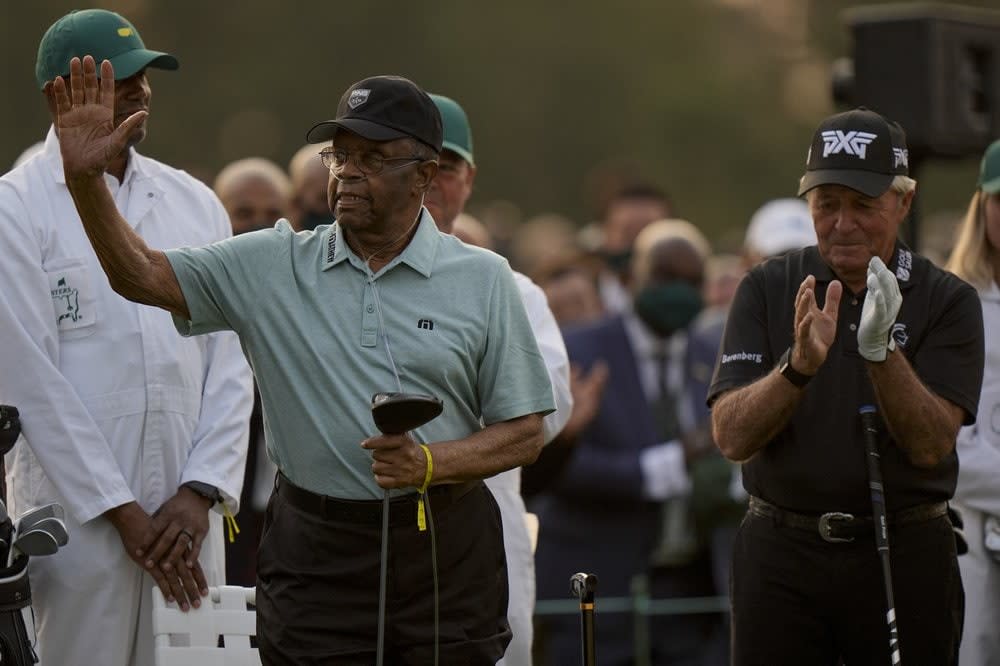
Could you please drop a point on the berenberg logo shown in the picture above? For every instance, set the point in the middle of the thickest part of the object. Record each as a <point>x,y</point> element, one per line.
<point>358,97</point>
<point>851,143</point>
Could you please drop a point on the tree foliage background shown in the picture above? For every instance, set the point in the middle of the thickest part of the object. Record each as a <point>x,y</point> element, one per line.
<point>714,100</point>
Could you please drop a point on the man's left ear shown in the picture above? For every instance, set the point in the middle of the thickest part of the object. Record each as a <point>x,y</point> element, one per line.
<point>426,173</point>
<point>906,201</point>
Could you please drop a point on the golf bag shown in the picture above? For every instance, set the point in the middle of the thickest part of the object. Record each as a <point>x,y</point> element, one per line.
<point>17,620</point>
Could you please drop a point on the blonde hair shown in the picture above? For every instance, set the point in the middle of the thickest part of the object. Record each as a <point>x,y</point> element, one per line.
<point>902,184</point>
<point>970,260</point>
<point>662,230</point>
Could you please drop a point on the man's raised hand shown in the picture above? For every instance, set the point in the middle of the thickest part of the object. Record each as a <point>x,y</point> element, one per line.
<point>85,118</point>
<point>815,328</point>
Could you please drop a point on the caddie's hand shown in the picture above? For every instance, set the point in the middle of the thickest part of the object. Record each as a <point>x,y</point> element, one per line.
<point>180,525</point>
<point>878,314</point>
<point>134,527</point>
<point>815,328</point>
<point>85,114</point>
<point>397,461</point>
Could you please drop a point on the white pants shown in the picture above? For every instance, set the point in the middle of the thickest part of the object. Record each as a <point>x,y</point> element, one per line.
<point>506,489</point>
<point>981,580</point>
<point>93,604</point>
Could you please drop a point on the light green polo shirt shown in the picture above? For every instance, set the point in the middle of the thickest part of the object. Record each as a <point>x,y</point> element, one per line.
<point>308,318</point>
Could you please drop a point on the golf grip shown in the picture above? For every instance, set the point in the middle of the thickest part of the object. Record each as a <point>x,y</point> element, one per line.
<point>583,586</point>
<point>867,413</point>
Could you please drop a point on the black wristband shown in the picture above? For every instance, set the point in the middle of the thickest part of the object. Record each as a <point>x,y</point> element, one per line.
<point>206,490</point>
<point>791,374</point>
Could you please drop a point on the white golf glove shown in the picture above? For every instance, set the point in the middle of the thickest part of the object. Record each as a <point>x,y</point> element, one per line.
<point>879,312</point>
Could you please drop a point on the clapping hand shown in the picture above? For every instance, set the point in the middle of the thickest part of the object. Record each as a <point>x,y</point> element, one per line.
<point>85,114</point>
<point>878,314</point>
<point>815,328</point>
<point>587,389</point>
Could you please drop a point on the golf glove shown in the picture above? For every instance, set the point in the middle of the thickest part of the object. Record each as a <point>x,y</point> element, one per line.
<point>879,312</point>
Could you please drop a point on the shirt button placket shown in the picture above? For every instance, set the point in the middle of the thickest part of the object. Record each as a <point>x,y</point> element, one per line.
<point>369,319</point>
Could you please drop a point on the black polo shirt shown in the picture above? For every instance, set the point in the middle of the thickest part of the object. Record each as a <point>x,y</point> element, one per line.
<point>817,463</point>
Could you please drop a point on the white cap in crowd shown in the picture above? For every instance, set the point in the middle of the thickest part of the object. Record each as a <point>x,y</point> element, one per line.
<point>779,226</point>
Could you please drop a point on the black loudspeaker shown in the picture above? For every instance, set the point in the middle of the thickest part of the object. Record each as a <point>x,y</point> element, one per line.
<point>933,68</point>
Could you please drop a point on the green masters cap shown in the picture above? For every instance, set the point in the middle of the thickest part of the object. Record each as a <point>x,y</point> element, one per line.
<point>457,134</point>
<point>99,33</point>
<point>989,170</point>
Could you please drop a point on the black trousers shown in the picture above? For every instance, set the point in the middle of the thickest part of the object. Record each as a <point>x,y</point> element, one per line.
<point>318,582</point>
<point>797,599</point>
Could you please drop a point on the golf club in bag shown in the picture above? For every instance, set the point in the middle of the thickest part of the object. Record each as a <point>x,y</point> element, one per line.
<point>583,586</point>
<point>880,521</point>
<point>17,623</point>
<point>395,413</point>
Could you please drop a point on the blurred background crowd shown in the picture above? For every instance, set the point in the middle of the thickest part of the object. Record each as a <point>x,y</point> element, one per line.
<point>621,150</point>
<point>710,99</point>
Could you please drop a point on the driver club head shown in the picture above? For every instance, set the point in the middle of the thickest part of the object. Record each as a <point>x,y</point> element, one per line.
<point>396,413</point>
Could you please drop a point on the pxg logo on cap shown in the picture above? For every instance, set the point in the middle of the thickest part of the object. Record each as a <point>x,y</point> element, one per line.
<point>858,149</point>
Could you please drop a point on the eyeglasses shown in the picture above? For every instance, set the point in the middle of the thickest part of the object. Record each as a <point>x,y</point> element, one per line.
<point>368,162</point>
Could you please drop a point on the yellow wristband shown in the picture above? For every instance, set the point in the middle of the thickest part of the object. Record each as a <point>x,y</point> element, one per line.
<point>421,516</point>
<point>430,468</point>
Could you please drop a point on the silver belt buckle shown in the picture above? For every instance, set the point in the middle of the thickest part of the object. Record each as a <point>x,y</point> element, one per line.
<point>826,529</point>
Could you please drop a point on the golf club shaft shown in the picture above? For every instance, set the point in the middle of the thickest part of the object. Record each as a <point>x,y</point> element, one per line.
<point>587,627</point>
<point>583,586</point>
<point>383,580</point>
<point>881,524</point>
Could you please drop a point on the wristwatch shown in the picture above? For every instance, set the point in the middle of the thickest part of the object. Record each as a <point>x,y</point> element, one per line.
<point>790,373</point>
<point>206,490</point>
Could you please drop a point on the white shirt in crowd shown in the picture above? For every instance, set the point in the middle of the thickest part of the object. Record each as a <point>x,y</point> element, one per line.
<point>506,486</point>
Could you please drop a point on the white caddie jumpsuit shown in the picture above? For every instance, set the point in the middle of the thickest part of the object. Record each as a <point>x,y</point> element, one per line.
<point>115,405</point>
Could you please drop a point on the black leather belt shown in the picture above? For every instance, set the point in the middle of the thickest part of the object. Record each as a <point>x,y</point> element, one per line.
<point>402,510</point>
<point>837,526</point>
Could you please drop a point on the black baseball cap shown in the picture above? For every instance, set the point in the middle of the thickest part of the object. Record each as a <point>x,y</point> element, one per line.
<point>384,108</point>
<point>859,149</point>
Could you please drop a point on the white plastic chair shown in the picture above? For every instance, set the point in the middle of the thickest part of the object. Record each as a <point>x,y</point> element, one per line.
<point>192,638</point>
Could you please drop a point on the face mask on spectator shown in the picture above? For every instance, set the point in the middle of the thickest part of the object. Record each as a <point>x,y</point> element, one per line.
<point>668,307</point>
